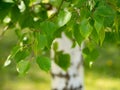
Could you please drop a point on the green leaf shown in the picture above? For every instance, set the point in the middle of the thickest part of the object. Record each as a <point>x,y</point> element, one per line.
<point>49,41</point>
<point>98,25</point>
<point>94,36</point>
<point>84,13</point>
<point>104,11</point>
<point>26,2</point>
<point>118,3</point>
<point>94,54</point>
<point>101,36</point>
<point>78,37</point>
<point>44,63</point>
<point>26,20</point>
<point>79,3</point>
<point>4,9</point>
<point>21,54</point>
<point>86,51</point>
<point>14,51</point>
<point>15,13</point>
<point>108,38</point>
<point>8,61</point>
<point>90,55</point>
<point>85,28</point>
<point>62,60</point>
<point>63,17</point>
<point>48,27</point>
<point>23,66</point>
<point>55,3</point>
<point>17,54</point>
<point>55,46</point>
<point>42,41</point>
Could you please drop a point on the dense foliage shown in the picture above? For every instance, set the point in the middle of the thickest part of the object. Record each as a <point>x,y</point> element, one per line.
<point>38,22</point>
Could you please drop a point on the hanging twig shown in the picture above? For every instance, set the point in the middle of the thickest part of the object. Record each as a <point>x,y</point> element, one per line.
<point>3,32</point>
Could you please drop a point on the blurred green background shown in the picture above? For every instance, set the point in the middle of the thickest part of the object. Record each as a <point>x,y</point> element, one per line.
<point>103,75</point>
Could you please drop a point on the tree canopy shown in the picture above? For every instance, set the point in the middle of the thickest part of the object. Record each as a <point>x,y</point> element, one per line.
<point>38,22</point>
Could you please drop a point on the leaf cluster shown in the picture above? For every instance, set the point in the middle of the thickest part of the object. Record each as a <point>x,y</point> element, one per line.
<point>37,23</point>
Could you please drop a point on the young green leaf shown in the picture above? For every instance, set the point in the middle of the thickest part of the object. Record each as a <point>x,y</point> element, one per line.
<point>44,63</point>
<point>85,28</point>
<point>23,66</point>
<point>63,17</point>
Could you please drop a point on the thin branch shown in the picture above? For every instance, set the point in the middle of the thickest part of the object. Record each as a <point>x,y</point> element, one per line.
<point>59,8</point>
<point>3,32</point>
<point>48,7</point>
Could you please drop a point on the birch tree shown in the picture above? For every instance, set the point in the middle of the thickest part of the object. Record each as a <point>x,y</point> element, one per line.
<point>59,27</point>
<point>67,78</point>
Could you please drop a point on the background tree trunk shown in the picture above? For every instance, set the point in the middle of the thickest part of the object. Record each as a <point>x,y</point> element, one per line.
<point>73,78</point>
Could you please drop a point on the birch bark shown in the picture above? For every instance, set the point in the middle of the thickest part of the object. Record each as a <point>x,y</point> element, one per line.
<point>73,78</point>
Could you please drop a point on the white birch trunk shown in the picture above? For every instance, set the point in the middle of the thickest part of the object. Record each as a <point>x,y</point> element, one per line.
<point>73,78</point>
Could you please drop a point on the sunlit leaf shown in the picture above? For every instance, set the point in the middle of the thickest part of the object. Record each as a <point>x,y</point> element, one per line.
<point>85,28</point>
<point>23,66</point>
<point>63,17</point>
<point>8,61</point>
